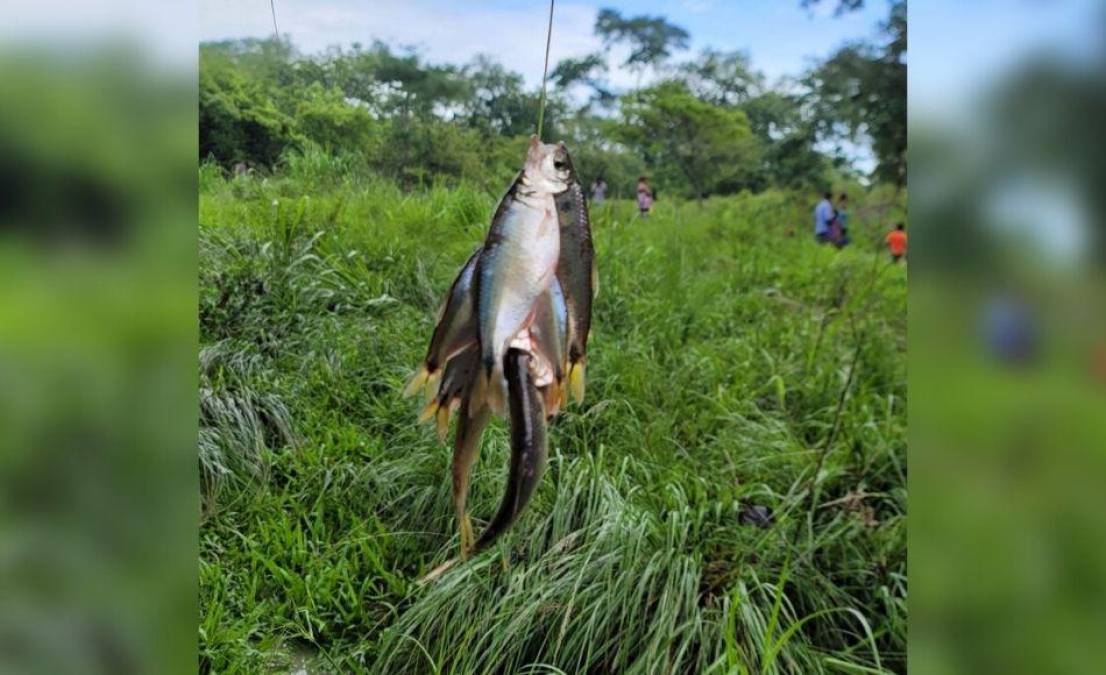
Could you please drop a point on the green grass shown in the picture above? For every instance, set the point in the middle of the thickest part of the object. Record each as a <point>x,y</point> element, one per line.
<point>731,359</point>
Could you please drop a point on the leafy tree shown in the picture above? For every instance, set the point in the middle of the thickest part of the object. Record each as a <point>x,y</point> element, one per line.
<point>709,148</point>
<point>843,6</point>
<point>495,101</point>
<point>238,120</point>
<point>599,151</point>
<point>586,70</point>
<point>861,91</point>
<point>715,128</point>
<point>421,87</point>
<point>262,59</point>
<point>790,158</point>
<point>327,118</point>
<point>651,38</point>
<point>723,78</point>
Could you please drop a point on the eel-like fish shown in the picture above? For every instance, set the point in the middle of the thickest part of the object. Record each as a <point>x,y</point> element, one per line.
<point>528,447</point>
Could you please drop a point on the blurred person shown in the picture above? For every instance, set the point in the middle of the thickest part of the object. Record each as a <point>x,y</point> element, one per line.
<point>839,227</point>
<point>644,196</point>
<point>1009,329</point>
<point>896,242</point>
<point>599,191</point>
<point>823,216</point>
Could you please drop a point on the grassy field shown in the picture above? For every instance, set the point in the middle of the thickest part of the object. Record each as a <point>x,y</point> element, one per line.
<point>733,364</point>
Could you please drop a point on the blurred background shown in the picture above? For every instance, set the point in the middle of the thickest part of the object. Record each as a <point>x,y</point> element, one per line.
<point>97,337</point>
<point>1007,336</point>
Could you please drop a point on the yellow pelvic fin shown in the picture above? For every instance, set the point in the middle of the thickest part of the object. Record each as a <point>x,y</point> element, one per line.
<point>428,412</point>
<point>443,421</point>
<point>417,381</point>
<point>576,381</point>
<point>434,383</point>
<point>554,398</point>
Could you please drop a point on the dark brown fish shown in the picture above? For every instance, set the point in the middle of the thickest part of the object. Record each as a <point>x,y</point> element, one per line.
<point>577,274</point>
<point>528,446</point>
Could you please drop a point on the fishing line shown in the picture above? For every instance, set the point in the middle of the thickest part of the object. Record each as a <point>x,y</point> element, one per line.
<point>276,31</point>
<point>545,70</point>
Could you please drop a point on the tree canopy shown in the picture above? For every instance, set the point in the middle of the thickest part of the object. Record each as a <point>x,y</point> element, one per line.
<point>860,92</point>
<point>709,124</point>
<point>652,39</point>
<point>699,147</point>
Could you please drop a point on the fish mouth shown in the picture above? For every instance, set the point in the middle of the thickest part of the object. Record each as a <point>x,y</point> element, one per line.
<point>561,160</point>
<point>562,164</point>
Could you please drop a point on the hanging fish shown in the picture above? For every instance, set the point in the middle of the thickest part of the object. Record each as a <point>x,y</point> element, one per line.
<point>518,264</point>
<point>454,330</point>
<point>504,340</point>
<point>578,276</point>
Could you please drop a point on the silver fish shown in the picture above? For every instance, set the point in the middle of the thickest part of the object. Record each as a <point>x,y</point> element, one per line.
<point>519,262</point>
<point>455,329</point>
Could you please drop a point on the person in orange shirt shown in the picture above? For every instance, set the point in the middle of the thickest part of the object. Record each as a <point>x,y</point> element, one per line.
<point>896,242</point>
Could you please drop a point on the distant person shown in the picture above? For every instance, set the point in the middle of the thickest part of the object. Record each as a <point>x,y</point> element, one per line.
<point>823,216</point>
<point>644,196</point>
<point>839,226</point>
<point>599,191</point>
<point>1010,329</point>
<point>896,242</point>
